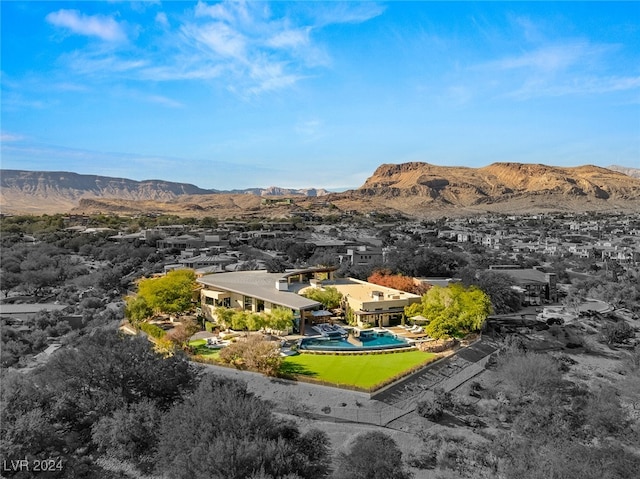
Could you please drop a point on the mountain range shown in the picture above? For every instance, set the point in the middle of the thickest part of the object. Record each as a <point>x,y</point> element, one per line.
<point>60,191</point>
<point>413,189</point>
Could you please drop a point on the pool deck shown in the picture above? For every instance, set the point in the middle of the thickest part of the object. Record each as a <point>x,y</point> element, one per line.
<point>403,333</point>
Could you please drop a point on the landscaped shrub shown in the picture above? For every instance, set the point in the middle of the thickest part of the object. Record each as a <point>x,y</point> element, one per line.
<point>253,353</point>
<point>152,330</point>
<point>437,346</point>
<point>209,326</point>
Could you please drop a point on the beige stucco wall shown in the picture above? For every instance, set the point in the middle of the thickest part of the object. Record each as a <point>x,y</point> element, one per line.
<point>236,300</point>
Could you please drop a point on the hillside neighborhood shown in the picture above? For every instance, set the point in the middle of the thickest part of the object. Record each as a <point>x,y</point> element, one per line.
<point>287,299</point>
<point>319,240</point>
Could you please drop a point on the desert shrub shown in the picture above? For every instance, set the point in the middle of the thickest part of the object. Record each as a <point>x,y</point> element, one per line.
<point>529,373</point>
<point>633,359</point>
<point>433,409</point>
<point>513,344</point>
<point>224,431</point>
<point>423,460</point>
<point>373,455</point>
<point>129,434</point>
<point>616,333</point>
<point>472,421</point>
<point>456,457</point>
<point>476,386</point>
<point>603,411</point>
<point>525,459</point>
<point>430,409</point>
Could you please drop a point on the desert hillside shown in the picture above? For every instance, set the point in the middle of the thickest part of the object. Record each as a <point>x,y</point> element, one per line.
<point>412,189</point>
<point>53,191</point>
<point>633,172</point>
<point>40,192</point>
<point>421,188</point>
<point>468,186</point>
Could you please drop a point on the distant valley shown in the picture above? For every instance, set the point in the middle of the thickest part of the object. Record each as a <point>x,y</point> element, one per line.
<point>412,189</point>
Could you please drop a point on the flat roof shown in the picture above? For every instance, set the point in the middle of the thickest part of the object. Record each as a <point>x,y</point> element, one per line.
<point>361,290</point>
<point>29,308</point>
<point>530,276</point>
<point>260,285</point>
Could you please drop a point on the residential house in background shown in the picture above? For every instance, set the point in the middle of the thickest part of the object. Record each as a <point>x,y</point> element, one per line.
<point>363,255</point>
<point>535,286</point>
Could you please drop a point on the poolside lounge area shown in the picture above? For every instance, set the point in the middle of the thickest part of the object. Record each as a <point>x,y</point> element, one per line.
<point>216,343</point>
<point>413,332</point>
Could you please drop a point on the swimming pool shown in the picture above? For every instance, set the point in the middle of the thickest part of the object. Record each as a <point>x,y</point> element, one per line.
<point>366,341</point>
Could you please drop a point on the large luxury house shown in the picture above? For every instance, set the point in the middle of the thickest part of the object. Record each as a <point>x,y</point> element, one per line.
<point>372,304</point>
<point>257,291</point>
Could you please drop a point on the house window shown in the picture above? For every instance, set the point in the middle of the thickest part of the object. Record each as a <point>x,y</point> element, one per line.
<point>226,302</point>
<point>208,300</point>
<point>248,303</point>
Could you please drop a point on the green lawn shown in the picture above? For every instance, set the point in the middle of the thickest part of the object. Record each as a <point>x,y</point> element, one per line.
<point>200,349</point>
<point>363,371</point>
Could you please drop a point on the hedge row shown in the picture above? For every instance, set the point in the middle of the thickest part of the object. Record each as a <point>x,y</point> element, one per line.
<point>359,353</point>
<point>152,330</point>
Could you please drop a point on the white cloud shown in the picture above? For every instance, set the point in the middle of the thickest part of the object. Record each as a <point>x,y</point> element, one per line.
<point>246,45</point>
<point>559,69</point>
<point>529,29</point>
<point>220,11</point>
<point>67,86</point>
<point>311,129</point>
<point>161,19</point>
<point>98,64</point>
<point>290,38</point>
<point>346,12</point>
<point>576,86</point>
<point>272,79</point>
<point>219,38</point>
<point>162,100</point>
<point>99,26</point>
<point>552,57</point>
<point>258,50</point>
<point>4,136</point>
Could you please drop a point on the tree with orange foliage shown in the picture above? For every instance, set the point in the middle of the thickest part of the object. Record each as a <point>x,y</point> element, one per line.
<point>384,277</point>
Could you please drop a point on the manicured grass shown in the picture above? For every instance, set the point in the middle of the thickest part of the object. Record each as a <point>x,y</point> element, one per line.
<point>200,349</point>
<point>362,370</point>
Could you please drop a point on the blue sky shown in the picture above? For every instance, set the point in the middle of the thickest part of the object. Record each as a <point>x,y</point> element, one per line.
<point>315,94</point>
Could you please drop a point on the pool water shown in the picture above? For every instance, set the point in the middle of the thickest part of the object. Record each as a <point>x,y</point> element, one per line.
<point>370,341</point>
